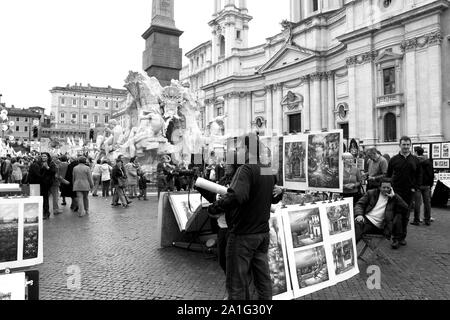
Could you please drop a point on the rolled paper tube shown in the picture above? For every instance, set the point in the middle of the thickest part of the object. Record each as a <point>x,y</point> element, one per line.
<point>210,186</point>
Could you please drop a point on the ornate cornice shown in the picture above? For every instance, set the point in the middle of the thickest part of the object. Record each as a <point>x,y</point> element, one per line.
<point>361,58</point>
<point>433,38</point>
<point>318,76</point>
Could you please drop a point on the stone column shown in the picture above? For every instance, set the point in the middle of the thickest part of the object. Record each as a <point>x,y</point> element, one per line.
<point>331,102</point>
<point>277,111</point>
<point>352,108</point>
<point>315,114</point>
<point>324,100</point>
<point>269,110</point>
<point>411,105</point>
<point>435,87</point>
<point>295,8</point>
<point>306,114</point>
<point>249,112</point>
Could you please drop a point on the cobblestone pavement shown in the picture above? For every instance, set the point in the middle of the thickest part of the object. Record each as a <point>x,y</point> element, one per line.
<point>117,252</point>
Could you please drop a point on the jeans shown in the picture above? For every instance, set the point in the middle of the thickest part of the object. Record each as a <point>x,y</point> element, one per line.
<point>362,228</point>
<point>407,196</point>
<point>105,188</point>
<point>45,192</point>
<point>54,193</point>
<point>222,238</point>
<point>96,178</point>
<point>247,255</point>
<point>83,202</point>
<point>143,194</point>
<point>119,194</point>
<point>424,193</point>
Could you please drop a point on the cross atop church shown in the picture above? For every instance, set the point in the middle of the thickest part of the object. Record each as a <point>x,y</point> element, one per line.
<point>163,13</point>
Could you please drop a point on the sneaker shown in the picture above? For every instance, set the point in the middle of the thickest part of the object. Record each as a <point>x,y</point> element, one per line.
<point>431,219</point>
<point>395,244</point>
<point>416,223</point>
<point>402,242</point>
<point>427,223</point>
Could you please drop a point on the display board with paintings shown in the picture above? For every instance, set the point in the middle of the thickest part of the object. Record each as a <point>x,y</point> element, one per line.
<point>320,245</point>
<point>185,207</point>
<point>21,235</point>
<point>313,161</point>
<point>439,152</point>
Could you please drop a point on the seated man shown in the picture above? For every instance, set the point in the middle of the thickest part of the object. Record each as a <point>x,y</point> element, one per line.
<point>379,212</point>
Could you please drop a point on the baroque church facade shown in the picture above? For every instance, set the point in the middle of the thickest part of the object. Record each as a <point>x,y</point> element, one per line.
<point>378,69</point>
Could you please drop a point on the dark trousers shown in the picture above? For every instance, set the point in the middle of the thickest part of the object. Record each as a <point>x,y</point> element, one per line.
<point>222,238</point>
<point>45,191</point>
<point>366,227</point>
<point>143,194</point>
<point>407,196</point>
<point>247,255</point>
<point>422,195</point>
<point>105,188</point>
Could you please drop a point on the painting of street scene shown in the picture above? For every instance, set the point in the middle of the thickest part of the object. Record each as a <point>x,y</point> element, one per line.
<point>343,257</point>
<point>339,218</point>
<point>276,258</point>
<point>311,266</point>
<point>295,161</point>
<point>323,161</point>
<point>305,227</point>
<point>30,230</point>
<point>9,229</point>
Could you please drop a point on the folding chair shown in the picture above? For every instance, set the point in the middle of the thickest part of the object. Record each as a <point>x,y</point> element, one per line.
<point>371,241</point>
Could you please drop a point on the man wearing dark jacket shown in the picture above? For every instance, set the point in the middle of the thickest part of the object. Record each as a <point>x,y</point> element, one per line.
<point>379,212</point>
<point>405,171</point>
<point>247,212</point>
<point>424,190</point>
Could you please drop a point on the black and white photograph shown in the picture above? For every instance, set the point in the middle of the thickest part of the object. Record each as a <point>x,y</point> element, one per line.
<point>114,114</point>
<point>339,218</point>
<point>279,272</point>
<point>311,266</point>
<point>445,152</point>
<point>343,256</point>
<point>9,231</point>
<point>436,150</point>
<point>306,228</point>
<point>30,230</point>
<point>441,163</point>
<point>325,168</point>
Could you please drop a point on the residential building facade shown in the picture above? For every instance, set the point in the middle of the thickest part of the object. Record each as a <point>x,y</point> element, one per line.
<point>76,109</point>
<point>378,69</point>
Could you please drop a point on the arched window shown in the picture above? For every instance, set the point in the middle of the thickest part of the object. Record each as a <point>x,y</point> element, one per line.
<point>390,127</point>
<point>222,45</point>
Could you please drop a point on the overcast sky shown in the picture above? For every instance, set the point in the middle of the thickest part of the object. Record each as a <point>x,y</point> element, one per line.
<point>47,43</point>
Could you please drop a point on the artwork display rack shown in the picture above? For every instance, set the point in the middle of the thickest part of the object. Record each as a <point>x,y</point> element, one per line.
<point>31,283</point>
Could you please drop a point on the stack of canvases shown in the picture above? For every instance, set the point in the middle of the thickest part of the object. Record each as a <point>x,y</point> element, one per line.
<point>311,247</point>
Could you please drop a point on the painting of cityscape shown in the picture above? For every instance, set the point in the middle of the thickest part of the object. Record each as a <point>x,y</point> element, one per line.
<point>324,165</point>
<point>339,218</point>
<point>311,266</point>
<point>305,227</point>
<point>279,274</point>
<point>343,257</point>
<point>9,231</point>
<point>30,230</point>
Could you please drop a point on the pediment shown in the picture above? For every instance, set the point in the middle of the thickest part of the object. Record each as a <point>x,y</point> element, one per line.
<point>287,55</point>
<point>388,56</point>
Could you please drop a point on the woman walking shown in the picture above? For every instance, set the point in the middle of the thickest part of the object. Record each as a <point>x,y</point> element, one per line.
<point>105,177</point>
<point>16,171</point>
<point>48,174</point>
<point>82,184</point>
<point>131,170</point>
<point>96,176</point>
<point>119,181</point>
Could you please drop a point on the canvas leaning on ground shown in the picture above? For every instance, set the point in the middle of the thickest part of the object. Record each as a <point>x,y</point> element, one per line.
<point>21,234</point>
<point>320,244</point>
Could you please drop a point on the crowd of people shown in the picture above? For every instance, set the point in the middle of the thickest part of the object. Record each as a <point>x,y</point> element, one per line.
<point>64,177</point>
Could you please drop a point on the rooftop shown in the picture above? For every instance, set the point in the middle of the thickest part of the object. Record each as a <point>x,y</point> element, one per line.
<point>78,87</point>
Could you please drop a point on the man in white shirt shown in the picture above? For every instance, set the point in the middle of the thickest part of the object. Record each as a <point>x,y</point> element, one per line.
<point>379,212</point>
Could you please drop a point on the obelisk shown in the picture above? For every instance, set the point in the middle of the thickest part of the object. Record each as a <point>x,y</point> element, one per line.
<point>162,56</point>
